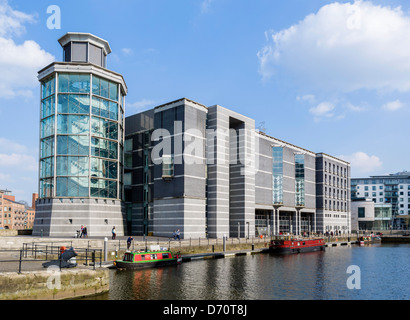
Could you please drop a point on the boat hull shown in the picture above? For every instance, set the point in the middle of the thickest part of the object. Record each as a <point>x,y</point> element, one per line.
<point>296,246</point>
<point>288,250</point>
<point>142,265</point>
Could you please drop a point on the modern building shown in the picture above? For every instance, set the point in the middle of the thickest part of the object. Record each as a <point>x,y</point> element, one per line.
<point>14,215</point>
<point>81,141</point>
<point>332,194</point>
<point>367,215</point>
<point>181,165</point>
<point>207,172</point>
<point>392,189</point>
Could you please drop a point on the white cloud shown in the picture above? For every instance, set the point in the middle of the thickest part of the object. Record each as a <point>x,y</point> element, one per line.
<point>9,145</point>
<point>23,161</point>
<point>362,163</point>
<point>323,109</point>
<point>205,5</point>
<point>16,156</point>
<point>19,63</point>
<point>355,108</point>
<point>126,51</point>
<point>140,106</point>
<point>12,21</point>
<point>393,105</point>
<point>307,97</point>
<point>343,47</point>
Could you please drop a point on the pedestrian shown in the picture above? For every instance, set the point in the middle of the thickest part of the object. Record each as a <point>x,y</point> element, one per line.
<point>129,240</point>
<point>178,234</point>
<point>85,232</point>
<point>82,229</point>
<point>114,233</point>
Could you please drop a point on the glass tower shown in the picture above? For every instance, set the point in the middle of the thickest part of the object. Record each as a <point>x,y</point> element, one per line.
<point>81,140</point>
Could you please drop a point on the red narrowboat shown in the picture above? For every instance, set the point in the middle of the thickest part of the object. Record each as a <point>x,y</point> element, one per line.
<point>296,245</point>
<point>148,259</point>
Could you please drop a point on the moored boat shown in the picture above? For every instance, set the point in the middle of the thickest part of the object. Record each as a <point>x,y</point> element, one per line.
<point>148,259</point>
<point>296,245</point>
<point>369,240</point>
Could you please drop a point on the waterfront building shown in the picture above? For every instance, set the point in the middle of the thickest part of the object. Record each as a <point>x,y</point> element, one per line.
<point>81,141</point>
<point>393,189</point>
<point>332,194</point>
<point>14,215</point>
<point>368,215</point>
<point>285,188</point>
<point>208,172</point>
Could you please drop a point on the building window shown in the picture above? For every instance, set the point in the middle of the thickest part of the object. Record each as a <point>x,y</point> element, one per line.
<point>167,166</point>
<point>277,175</point>
<point>299,180</point>
<point>361,212</point>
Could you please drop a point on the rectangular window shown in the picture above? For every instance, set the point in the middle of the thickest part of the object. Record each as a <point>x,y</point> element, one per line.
<point>73,83</point>
<point>361,212</point>
<point>277,175</point>
<point>167,166</point>
<point>79,51</point>
<point>47,87</point>
<point>73,103</point>
<point>299,180</point>
<point>47,107</point>
<point>104,88</point>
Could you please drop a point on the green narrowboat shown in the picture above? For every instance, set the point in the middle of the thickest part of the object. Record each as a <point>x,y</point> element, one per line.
<point>148,259</point>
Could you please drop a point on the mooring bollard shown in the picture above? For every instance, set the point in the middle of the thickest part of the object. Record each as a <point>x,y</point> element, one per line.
<point>105,249</point>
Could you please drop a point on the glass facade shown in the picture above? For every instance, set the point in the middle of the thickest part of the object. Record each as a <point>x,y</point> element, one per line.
<point>277,175</point>
<point>299,180</point>
<point>80,137</point>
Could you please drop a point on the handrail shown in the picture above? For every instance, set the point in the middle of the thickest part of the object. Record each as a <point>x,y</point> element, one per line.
<point>44,252</point>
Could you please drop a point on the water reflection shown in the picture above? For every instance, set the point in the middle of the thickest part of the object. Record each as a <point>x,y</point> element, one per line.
<point>316,275</point>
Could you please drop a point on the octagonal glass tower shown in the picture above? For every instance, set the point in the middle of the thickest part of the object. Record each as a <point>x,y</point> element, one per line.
<point>81,141</point>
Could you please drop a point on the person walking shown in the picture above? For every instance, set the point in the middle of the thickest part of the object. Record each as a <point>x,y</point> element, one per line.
<point>114,233</point>
<point>129,241</point>
<point>178,234</point>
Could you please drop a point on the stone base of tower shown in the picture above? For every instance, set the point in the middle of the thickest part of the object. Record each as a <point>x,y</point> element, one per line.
<point>63,217</point>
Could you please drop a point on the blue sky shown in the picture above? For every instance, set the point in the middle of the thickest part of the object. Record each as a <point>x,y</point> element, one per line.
<point>328,76</point>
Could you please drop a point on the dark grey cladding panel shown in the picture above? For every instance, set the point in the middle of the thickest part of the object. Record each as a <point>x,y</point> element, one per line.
<point>139,122</point>
<point>169,188</point>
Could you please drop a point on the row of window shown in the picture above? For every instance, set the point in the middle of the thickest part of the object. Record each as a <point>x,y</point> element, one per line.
<point>80,83</point>
<point>342,183</point>
<point>79,145</point>
<point>335,205</point>
<point>78,167</point>
<point>79,124</point>
<point>78,187</point>
<point>388,188</point>
<point>387,195</point>
<point>79,104</point>
<point>335,169</point>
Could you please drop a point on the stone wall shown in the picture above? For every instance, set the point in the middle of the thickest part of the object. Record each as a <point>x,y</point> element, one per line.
<point>53,284</point>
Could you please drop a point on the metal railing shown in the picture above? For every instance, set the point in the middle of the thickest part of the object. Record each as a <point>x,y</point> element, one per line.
<point>36,252</point>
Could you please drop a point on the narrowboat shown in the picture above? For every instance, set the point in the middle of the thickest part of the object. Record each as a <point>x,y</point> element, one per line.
<point>148,259</point>
<point>369,240</point>
<point>296,245</point>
